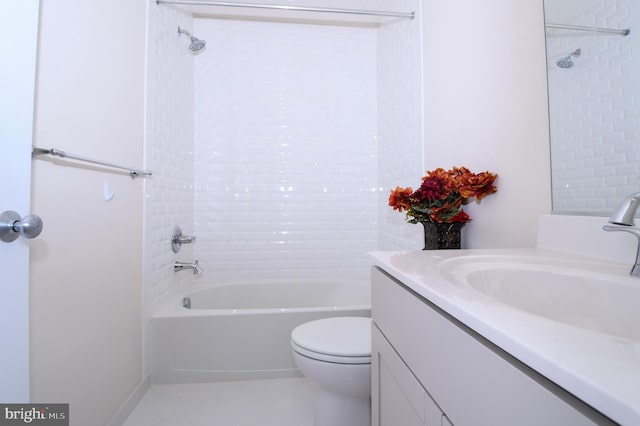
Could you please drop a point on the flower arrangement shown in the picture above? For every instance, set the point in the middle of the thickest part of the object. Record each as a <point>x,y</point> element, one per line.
<point>442,194</point>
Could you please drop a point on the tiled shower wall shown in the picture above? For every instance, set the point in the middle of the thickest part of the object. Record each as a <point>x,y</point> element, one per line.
<point>400,142</point>
<point>299,132</point>
<point>285,151</point>
<point>592,107</point>
<point>169,148</point>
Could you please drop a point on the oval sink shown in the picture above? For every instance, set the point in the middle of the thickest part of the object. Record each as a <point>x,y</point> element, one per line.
<point>590,296</point>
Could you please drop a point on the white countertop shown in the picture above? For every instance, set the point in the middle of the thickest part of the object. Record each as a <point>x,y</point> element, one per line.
<point>600,369</point>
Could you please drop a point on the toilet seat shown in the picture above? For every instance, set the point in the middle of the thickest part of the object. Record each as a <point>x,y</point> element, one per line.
<point>331,358</point>
<point>341,340</point>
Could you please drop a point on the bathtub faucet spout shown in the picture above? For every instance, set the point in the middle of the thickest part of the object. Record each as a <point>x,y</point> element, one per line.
<point>179,266</point>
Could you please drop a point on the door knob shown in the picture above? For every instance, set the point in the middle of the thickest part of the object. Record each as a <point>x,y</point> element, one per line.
<point>12,226</point>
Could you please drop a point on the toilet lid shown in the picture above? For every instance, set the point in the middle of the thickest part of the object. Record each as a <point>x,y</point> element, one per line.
<point>341,336</point>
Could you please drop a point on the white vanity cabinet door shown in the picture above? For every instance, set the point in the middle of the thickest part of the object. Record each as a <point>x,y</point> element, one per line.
<point>397,396</point>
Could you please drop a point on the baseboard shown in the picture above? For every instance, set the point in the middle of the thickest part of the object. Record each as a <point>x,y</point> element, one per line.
<point>131,402</point>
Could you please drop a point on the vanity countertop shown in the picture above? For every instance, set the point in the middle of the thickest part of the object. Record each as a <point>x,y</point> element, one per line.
<point>600,369</point>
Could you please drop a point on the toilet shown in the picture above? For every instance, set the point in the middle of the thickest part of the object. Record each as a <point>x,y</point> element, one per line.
<point>336,354</point>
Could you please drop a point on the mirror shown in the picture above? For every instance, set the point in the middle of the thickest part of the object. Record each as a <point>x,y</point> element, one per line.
<point>593,103</point>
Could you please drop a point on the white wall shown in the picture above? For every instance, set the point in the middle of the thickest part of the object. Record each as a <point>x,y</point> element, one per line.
<point>86,267</point>
<point>486,109</point>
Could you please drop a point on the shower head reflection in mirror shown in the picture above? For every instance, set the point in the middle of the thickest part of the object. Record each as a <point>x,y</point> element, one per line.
<point>567,62</point>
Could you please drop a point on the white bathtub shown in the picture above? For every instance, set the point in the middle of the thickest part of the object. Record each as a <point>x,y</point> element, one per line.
<point>242,331</point>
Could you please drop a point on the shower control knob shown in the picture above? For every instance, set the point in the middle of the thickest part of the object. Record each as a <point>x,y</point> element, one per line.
<point>177,239</point>
<point>12,226</point>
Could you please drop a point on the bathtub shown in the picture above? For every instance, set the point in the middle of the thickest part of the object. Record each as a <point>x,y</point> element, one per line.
<point>242,331</point>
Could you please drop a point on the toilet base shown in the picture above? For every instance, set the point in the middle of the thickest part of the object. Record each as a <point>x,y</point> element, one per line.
<point>340,410</point>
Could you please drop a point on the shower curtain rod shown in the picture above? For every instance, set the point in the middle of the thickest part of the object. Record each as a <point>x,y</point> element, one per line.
<point>134,173</point>
<point>407,15</point>
<point>624,32</point>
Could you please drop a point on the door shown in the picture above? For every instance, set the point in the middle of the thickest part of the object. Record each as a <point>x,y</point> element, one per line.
<point>18,44</point>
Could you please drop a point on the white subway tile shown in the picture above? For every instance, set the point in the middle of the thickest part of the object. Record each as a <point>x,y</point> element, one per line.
<point>278,145</point>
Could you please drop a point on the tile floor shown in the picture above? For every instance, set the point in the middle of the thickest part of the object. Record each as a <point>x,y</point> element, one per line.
<point>279,402</point>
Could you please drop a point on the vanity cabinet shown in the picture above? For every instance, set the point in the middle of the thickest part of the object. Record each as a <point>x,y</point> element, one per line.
<point>430,369</point>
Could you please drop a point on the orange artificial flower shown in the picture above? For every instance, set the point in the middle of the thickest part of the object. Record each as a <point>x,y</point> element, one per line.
<point>440,197</point>
<point>399,198</point>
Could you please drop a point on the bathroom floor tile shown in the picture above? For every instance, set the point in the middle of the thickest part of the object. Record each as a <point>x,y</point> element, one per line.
<point>279,402</point>
<point>298,404</point>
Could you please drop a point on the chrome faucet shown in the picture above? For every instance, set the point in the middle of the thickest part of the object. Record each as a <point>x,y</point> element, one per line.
<point>623,219</point>
<point>179,266</point>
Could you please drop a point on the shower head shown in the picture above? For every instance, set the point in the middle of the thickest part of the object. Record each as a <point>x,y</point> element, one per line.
<point>196,44</point>
<point>567,62</point>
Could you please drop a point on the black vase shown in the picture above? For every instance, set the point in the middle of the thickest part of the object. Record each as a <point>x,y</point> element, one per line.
<point>442,235</point>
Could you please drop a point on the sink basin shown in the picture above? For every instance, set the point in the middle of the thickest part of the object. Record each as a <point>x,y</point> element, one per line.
<point>581,294</point>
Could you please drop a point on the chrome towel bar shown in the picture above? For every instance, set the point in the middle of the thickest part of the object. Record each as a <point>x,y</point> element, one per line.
<point>134,173</point>
<point>623,32</point>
